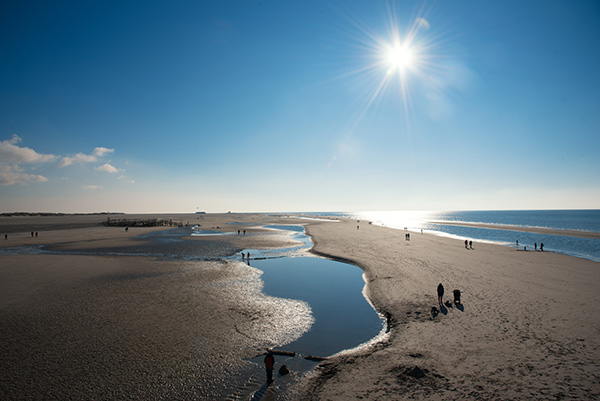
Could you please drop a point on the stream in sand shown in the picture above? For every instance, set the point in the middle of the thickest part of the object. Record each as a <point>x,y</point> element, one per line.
<point>343,317</point>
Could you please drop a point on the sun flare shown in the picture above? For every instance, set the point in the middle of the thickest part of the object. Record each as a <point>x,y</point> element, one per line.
<point>399,57</point>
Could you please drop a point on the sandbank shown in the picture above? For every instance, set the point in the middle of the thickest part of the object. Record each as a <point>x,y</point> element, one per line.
<point>526,328</point>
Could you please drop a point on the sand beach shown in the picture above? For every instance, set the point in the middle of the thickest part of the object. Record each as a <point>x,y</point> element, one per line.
<point>99,326</point>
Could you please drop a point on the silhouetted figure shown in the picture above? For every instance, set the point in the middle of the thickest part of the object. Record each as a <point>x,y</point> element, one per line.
<point>5,236</point>
<point>535,246</point>
<point>32,234</point>
<point>542,247</point>
<point>36,233</point>
<point>269,364</point>
<point>456,296</point>
<point>238,232</point>
<point>517,244</point>
<point>440,291</point>
<point>466,244</point>
<point>244,232</point>
<point>471,244</point>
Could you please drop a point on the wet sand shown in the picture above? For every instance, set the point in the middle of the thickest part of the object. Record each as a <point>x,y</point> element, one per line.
<point>104,327</point>
<point>119,327</point>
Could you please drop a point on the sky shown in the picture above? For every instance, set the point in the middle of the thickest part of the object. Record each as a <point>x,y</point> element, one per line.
<point>287,106</point>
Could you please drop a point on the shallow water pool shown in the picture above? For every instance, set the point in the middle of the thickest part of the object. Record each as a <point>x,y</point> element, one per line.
<point>343,317</point>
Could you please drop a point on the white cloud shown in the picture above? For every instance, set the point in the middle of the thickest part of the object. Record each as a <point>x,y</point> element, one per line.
<point>78,158</point>
<point>101,151</point>
<point>92,187</point>
<point>10,175</point>
<point>107,168</point>
<point>423,23</point>
<point>127,180</point>
<point>11,153</point>
<point>81,158</point>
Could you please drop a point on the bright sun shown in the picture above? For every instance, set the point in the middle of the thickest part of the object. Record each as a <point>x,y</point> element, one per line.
<point>399,57</point>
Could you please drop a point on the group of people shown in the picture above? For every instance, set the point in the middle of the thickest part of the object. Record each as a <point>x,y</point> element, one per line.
<point>239,232</point>
<point>468,244</point>
<point>534,246</point>
<point>33,234</point>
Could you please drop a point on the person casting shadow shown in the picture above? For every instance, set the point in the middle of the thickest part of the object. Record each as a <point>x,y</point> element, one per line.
<point>269,364</point>
<point>440,292</point>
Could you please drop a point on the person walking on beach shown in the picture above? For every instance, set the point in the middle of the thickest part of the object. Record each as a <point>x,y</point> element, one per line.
<point>440,291</point>
<point>542,247</point>
<point>466,244</point>
<point>269,364</point>
<point>471,244</point>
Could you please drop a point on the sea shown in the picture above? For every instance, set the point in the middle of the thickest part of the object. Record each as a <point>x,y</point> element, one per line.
<point>433,222</point>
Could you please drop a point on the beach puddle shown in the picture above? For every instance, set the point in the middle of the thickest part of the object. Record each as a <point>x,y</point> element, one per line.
<point>343,318</point>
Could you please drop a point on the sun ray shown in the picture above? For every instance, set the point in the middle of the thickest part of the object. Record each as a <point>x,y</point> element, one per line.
<point>401,57</point>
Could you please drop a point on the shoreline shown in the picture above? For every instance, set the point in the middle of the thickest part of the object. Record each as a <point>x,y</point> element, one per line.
<point>534,230</point>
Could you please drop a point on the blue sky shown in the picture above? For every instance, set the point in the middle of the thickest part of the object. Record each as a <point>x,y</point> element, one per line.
<point>274,106</point>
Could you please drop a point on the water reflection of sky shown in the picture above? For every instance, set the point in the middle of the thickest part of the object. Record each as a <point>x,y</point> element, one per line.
<point>343,317</point>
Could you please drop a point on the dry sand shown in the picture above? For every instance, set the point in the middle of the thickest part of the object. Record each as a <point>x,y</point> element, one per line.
<point>103,327</point>
<point>528,327</point>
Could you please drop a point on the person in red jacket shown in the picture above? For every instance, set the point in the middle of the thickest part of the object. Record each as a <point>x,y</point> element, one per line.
<point>269,364</point>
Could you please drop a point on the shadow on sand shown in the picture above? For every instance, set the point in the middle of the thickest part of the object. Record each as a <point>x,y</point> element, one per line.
<point>261,392</point>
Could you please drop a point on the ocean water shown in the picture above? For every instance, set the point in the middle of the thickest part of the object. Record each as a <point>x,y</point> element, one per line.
<point>432,222</point>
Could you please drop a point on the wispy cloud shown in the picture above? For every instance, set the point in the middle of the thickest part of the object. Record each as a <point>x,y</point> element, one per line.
<point>10,175</point>
<point>100,151</point>
<point>127,179</point>
<point>92,187</point>
<point>11,153</point>
<point>13,158</point>
<point>107,168</point>
<point>81,158</point>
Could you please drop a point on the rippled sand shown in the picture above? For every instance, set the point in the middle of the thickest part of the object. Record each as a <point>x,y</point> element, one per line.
<point>119,327</point>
